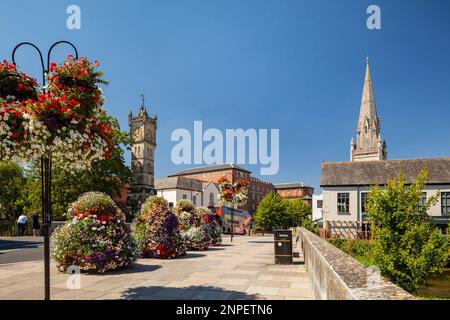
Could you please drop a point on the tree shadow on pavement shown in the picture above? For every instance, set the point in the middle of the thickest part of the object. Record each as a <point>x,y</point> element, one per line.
<point>185,293</point>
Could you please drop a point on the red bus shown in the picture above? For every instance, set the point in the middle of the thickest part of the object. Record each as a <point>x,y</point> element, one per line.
<point>241,219</point>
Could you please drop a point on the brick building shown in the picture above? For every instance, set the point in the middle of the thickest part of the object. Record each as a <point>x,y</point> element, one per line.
<point>295,190</point>
<point>257,191</point>
<point>257,188</point>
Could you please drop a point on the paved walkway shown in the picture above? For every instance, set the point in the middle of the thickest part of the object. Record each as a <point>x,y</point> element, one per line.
<point>244,269</point>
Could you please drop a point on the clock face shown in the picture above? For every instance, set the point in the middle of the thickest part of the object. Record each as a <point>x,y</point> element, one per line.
<point>138,134</point>
<point>149,133</point>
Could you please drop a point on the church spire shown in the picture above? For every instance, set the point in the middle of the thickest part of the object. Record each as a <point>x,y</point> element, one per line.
<point>368,105</point>
<point>368,137</point>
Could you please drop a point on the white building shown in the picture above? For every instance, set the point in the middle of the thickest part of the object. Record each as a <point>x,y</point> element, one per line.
<point>199,192</point>
<point>346,184</point>
<point>317,204</point>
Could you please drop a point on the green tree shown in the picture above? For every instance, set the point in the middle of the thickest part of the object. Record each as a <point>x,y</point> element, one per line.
<point>299,212</point>
<point>407,247</point>
<point>272,212</point>
<point>11,184</point>
<point>108,176</point>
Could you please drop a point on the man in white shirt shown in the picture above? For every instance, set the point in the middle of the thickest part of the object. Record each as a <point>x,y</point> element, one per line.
<point>21,224</point>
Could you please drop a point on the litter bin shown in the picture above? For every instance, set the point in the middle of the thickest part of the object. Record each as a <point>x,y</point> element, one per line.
<point>283,246</point>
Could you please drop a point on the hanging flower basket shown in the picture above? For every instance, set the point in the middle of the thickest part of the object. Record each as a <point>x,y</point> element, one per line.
<point>233,194</point>
<point>78,79</point>
<point>67,124</point>
<point>15,85</point>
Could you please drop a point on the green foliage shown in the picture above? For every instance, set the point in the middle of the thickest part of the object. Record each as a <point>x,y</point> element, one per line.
<point>271,212</point>
<point>299,214</point>
<point>275,211</point>
<point>407,248</point>
<point>107,176</point>
<point>11,185</point>
<point>358,249</point>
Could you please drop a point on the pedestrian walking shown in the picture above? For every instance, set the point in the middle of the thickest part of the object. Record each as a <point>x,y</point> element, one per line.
<point>36,225</point>
<point>21,222</point>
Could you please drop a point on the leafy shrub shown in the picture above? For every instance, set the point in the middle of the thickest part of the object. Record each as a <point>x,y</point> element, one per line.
<point>407,248</point>
<point>97,239</point>
<point>358,249</point>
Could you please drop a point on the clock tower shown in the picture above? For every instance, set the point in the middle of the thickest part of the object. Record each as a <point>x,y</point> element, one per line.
<point>143,133</point>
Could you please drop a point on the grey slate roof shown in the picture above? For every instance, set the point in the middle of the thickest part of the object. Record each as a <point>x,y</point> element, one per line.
<point>377,172</point>
<point>209,168</point>
<point>179,183</point>
<point>292,185</point>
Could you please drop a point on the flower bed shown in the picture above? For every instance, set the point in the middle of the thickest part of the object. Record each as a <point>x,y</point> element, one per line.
<point>156,230</point>
<point>97,239</point>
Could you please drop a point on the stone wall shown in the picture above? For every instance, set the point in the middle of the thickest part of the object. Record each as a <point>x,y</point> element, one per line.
<point>337,276</point>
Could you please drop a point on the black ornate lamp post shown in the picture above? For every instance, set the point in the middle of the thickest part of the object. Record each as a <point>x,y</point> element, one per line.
<point>46,169</point>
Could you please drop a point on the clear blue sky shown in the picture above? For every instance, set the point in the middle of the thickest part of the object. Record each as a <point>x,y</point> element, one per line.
<point>293,65</point>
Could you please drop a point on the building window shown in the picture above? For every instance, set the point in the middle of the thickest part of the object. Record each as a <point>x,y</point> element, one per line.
<point>194,199</point>
<point>364,198</point>
<point>445,203</point>
<point>213,174</point>
<point>211,199</point>
<point>343,202</point>
<point>184,197</point>
<point>319,204</point>
<point>223,173</point>
<point>422,202</point>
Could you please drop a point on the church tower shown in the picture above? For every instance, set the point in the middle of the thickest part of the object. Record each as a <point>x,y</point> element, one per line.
<point>143,132</point>
<point>369,145</point>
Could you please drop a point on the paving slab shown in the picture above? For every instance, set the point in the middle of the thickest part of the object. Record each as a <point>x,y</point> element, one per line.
<point>242,270</point>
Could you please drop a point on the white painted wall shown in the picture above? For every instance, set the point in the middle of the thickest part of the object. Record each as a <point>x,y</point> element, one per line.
<point>210,188</point>
<point>174,195</point>
<point>330,210</point>
<point>316,211</point>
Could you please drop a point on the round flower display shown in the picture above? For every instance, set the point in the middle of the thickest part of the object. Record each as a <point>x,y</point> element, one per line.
<point>210,220</point>
<point>156,230</point>
<point>195,232</point>
<point>96,239</point>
